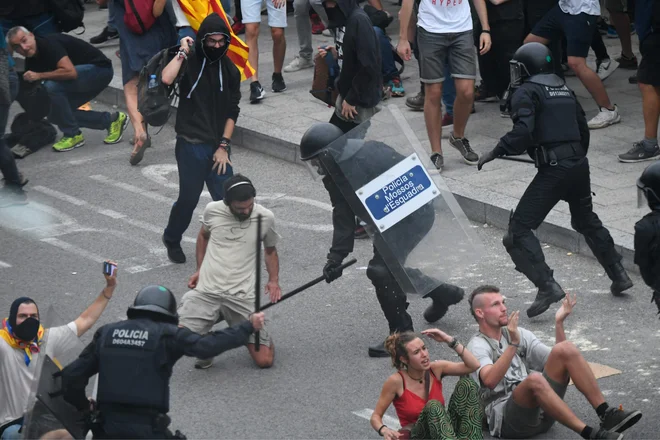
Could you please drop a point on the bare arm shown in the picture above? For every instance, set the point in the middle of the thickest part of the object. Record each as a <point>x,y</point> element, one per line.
<point>159,7</point>
<point>405,14</point>
<point>171,71</point>
<point>89,317</point>
<point>480,6</point>
<point>498,2</point>
<point>202,244</point>
<point>272,261</point>
<point>491,375</point>
<point>469,365</point>
<point>562,313</point>
<point>229,128</point>
<point>387,396</point>
<point>65,71</point>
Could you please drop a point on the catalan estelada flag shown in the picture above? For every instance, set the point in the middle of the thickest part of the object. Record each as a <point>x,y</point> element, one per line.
<point>197,10</point>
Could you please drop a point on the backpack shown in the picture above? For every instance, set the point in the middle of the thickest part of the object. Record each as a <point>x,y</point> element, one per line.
<point>139,16</point>
<point>326,71</point>
<point>68,14</point>
<point>155,103</point>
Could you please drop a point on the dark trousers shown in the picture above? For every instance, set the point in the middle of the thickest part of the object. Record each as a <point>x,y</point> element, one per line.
<point>194,162</point>
<point>387,55</point>
<point>534,12</point>
<point>386,269</point>
<point>345,126</point>
<point>7,161</point>
<point>507,37</point>
<point>67,96</point>
<point>568,181</point>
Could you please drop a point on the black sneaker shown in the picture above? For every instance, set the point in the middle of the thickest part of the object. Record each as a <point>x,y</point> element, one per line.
<point>483,95</point>
<point>639,154</point>
<point>278,83</point>
<point>632,79</point>
<point>174,252</point>
<point>378,351</point>
<point>618,420</point>
<point>438,161</point>
<point>627,63</point>
<point>105,35</point>
<point>463,145</point>
<point>257,92</point>
<point>604,434</point>
<point>549,293</point>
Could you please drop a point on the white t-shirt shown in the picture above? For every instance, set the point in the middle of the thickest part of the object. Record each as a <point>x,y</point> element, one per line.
<point>444,16</point>
<point>181,19</point>
<point>17,379</point>
<point>575,7</point>
<point>229,263</point>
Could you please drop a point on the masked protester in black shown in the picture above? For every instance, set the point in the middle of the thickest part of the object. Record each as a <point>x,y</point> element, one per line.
<point>134,360</point>
<point>209,90</point>
<point>550,124</point>
<point>647,231</point>
<point>371,159</point>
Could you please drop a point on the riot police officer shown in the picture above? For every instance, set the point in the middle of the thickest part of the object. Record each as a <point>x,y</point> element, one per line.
<point>550,124</point>
<point>134,360</point>
<point>647,231</point>
<point>369,159</point>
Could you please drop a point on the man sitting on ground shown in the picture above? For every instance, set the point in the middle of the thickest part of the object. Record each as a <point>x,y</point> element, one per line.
<point>520,402</point>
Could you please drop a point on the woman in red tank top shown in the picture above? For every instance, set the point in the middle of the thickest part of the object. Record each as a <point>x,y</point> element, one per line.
<point>416,391</point>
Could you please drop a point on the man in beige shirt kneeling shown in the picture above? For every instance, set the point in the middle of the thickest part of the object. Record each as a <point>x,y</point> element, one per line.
<point>224,284</point>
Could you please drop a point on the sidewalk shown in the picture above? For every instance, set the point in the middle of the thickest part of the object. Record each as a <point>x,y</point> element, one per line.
<point>275,126</point>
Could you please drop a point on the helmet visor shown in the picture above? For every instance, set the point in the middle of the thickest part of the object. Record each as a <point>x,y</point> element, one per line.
<point>517,72</point>
<point>315,168</point>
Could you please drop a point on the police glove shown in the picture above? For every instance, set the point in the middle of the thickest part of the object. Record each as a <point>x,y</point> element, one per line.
<point>485,158</point>
<point>332,270</point>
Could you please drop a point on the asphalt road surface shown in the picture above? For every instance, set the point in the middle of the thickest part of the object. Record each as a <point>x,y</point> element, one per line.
<point>90,204</point>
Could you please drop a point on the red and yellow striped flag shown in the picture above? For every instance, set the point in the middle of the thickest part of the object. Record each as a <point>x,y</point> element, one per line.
<point>197,10</point>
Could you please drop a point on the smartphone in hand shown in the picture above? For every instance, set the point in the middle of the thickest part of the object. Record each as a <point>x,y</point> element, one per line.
<point>109,269</point>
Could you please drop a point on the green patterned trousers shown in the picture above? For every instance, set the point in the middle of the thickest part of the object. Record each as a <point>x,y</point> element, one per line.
<point>462,420</point>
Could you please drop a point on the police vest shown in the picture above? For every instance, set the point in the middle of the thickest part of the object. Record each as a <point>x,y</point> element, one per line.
<point>556,116</point>
<point>133,364</point>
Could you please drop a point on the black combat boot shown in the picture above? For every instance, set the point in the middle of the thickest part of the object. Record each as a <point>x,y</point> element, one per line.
<point>620,279</point>
<point>549,293</point>
<point>443,296</point>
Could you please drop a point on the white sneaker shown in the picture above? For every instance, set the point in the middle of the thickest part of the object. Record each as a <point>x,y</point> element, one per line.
<point>327,33</point>
<point>203,364</point>
<point>606,68</point>
<point>605,118</point>
<point>298,64</point>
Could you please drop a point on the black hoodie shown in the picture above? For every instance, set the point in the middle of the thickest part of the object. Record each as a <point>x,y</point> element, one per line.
<point>209,90</point>
<point>360,79</point>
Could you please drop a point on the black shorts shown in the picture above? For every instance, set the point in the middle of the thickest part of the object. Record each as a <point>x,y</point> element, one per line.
<point>578,29</point>
<point>648,71</point>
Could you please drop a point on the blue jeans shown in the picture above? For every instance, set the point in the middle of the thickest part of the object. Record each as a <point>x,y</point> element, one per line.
<point>7,161</point>
<point>11,433</point>
<point>448,90</point>
<point>111,17</point>
<point>40,25</point>
<point>389,68</point>
<point>67,96</point>
<point>194,162</point>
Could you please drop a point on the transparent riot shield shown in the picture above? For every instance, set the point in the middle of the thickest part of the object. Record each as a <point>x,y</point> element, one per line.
<point>417,226</point>
<point>48,414</point>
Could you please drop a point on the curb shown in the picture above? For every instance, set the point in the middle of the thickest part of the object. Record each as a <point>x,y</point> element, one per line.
<point>479,206</point>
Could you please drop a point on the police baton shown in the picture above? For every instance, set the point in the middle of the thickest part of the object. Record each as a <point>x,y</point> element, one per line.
<point>516,159</point>
<point>307,286</point>
<point>257,283</point>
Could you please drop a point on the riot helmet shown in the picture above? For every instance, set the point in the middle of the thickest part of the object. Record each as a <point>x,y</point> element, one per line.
<point>648,187</point>
<point>157,302</point>
<point>317,137</point>
<point>529,60</point>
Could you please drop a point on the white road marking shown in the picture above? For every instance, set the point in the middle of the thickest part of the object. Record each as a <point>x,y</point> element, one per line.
<point>4,265</point>
<point>391,422</point>
<point>156,173</point>
<point>106,212</point>
<point>73,249</point>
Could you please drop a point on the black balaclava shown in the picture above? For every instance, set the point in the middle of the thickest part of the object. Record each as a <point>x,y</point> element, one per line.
<point>28,329</point>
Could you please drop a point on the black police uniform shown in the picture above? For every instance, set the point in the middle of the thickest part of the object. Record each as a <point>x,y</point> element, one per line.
<point>364,161</point>
<point>550,124</point>
<point>647,232</point>
<point>134,360</point>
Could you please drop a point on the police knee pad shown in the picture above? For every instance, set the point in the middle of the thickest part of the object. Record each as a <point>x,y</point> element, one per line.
<point>378,273</point>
